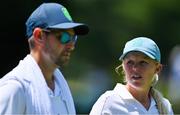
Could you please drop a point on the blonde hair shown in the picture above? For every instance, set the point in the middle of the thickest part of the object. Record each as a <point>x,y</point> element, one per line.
<point>119,70</point>
<point>162,108</point>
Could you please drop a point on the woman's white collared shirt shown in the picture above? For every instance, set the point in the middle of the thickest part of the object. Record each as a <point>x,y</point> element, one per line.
<point>120,101</point>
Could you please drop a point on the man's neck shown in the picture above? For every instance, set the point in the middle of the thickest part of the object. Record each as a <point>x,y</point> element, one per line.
<point>46,69</point>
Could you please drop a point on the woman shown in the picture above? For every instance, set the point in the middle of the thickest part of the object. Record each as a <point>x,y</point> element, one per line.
<point>141,65</point>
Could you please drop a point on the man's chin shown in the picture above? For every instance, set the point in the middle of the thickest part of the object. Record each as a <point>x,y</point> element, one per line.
<point>63,63</point>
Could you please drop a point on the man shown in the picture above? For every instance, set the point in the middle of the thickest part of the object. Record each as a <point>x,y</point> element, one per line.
<point>36,85</point>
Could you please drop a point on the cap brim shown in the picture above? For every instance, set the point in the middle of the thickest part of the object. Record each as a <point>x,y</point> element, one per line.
<point>137,50</point>
<point>79,28</point>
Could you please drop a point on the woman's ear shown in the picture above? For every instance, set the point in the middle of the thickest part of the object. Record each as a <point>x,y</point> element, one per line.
<point>159,68</point>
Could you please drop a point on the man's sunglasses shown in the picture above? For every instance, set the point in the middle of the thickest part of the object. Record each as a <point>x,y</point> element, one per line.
<point>64,37</point>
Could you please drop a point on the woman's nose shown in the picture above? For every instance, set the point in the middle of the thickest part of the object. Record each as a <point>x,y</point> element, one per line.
<point>135,66</point>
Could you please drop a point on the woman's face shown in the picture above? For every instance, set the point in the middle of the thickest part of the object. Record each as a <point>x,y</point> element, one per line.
<point>139,70</point>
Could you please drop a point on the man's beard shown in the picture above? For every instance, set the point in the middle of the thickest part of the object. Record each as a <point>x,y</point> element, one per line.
<point>61,61</point>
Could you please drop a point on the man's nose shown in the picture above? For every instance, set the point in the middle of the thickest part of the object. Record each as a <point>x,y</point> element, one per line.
<point>71,45</point>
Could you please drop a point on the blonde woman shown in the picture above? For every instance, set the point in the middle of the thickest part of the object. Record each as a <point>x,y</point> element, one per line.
<point>141,66</point>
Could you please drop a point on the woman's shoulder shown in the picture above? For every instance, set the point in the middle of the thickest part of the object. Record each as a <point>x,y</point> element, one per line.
<point>166,101</point>
<point>168,105</point>
<point>111,96</point>
<point>107,102</point>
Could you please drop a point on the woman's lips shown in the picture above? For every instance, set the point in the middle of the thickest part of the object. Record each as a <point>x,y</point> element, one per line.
<point>136,77</point>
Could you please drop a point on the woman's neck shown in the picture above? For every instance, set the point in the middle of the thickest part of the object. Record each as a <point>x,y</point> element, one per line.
<point>142,96</point>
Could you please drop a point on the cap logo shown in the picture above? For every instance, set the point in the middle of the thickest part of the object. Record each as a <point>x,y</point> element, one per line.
<point>66,14</point>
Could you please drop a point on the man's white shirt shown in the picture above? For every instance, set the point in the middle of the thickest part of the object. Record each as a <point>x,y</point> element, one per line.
<point>20,91</point>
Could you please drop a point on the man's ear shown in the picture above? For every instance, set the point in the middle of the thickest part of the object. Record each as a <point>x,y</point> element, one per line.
<point>38,37</point>
<point>37,33</point>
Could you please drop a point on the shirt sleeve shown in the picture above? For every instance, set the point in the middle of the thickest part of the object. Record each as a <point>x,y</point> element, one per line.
<point>103,105</point>
<point>97,108</point>
<point>109,104</point>
<point>12,98</point>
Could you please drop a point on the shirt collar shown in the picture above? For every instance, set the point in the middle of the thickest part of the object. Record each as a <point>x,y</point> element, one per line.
<point>122,91</point>
<point>153,103</point>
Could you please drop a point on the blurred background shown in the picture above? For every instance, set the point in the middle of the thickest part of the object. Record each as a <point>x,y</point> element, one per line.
<point>112,23</point>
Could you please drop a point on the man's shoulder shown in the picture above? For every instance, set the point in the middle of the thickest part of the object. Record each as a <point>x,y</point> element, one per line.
<point>11,87</point>
<point>14,81</point>
<point>12,96</point>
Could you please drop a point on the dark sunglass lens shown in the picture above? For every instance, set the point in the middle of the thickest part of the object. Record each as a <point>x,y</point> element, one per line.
<point>65,38</point>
